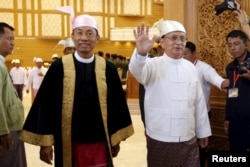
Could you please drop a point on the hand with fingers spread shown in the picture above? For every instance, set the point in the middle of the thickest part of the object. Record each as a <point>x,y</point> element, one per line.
<point>143,43</point>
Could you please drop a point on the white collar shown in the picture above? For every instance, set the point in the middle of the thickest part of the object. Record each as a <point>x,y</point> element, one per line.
<point>83,60</point>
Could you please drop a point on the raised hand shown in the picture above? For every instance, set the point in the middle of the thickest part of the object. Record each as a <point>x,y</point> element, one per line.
<point>242,16</point>
<point>143,43</point>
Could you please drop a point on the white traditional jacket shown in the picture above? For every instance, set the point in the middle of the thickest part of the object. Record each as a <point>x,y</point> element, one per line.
<point>175,107</point>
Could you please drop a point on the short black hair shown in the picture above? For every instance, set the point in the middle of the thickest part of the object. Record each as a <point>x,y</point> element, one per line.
<point>5,25</point>
<point>191,46</point>
<point>237,33</point>
<point>107,55</point>
<point>100,53</point>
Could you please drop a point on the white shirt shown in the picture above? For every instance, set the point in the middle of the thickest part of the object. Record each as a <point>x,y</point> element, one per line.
<point>208,76</point>
<point>35,78</point>
<point>175,108</point>
<point>18,75</point>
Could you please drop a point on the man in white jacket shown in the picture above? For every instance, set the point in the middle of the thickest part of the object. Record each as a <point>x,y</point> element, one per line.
<point>175,107</point>
<point>208,76</point>
<point>19,77</point>
<point>36,76</point>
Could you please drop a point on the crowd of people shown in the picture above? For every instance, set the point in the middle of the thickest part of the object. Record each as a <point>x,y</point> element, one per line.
<point>80,113</point>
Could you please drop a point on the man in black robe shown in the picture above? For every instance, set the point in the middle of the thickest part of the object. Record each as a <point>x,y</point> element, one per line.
<point>80,108</point>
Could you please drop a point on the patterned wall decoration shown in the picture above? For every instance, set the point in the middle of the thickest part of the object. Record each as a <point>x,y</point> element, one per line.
<point>50,27</point>
<point>50,5</point>
<point>20,25</point>
<point>7,4</point>
<point>7,17</point>
<point>39,19</point>
<point>93,6</point>
<point>132,7</point>
<point>212,30</point>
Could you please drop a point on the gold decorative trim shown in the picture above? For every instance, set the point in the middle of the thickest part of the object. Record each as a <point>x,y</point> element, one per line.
<point>67,107</point>
<point>100,69</point>
<point>122,135</point>
<point>36,139</point>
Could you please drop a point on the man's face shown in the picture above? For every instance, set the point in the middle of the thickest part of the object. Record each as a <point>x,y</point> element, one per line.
<point>17,65</point>
<point>174,44</point>
<point>85,39</point>
<point>39,64</point>
<point>187,54</point>
<point>236,47</point>
<point>68,50</point>
<point>6,42</point>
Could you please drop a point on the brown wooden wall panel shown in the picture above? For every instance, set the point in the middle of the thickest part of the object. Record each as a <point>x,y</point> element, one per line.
<point>132,90</point>
<point>218,141</point>
<point>27,49</point>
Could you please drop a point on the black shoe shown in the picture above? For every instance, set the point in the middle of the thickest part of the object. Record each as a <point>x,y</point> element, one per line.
<point>226,5</point>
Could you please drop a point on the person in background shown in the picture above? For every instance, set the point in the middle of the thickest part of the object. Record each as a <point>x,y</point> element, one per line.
<point>244,19</point>
<point>80,108</point>
<point>160,50</point>
<point>114,59</point>
<point>107,56</point>
<point>19,77</point>
<point>237,111</point>
<point>12,150</point>
<point>208,76</point>
<point>69,46</point>
<point>100,53</point>
<point>174,104</point>
<point>54,57</point>
<point>36,76</point>
<point>153,52</point>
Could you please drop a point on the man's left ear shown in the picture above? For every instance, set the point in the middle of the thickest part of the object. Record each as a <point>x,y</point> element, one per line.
<point>98,38</point>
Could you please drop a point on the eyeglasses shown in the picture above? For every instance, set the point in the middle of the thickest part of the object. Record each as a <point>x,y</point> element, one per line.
<point>174,38</point>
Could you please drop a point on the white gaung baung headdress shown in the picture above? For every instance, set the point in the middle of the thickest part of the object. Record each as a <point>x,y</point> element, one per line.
<point>37,60</point>
<point>54,56</point>
<point>13,61</point>
<point>67,43</point>
<point>17,61</point>
<point>167,26</point>
<point>79,21</point>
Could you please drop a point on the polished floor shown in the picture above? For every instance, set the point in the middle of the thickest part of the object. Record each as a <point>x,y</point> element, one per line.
<point>133,150</point>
